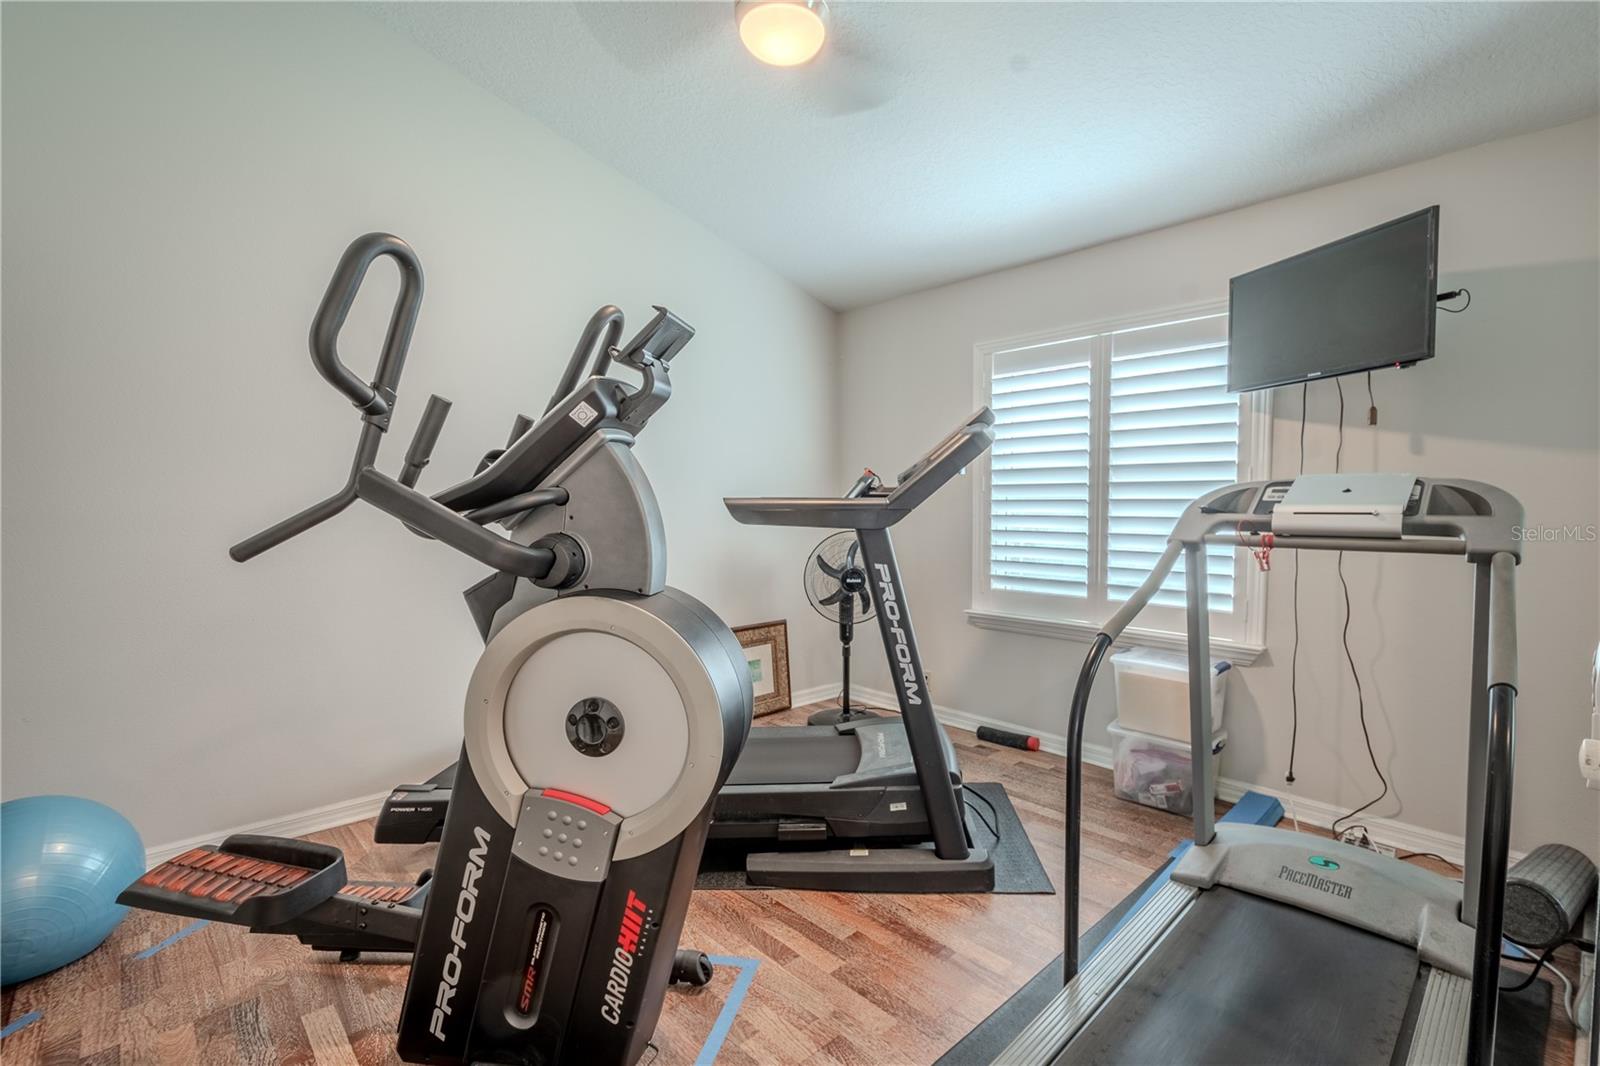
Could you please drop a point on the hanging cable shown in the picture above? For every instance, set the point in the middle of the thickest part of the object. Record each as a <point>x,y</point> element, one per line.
<point>1338,448</point>
<point>1294,656</point>
<point>1361,700</point>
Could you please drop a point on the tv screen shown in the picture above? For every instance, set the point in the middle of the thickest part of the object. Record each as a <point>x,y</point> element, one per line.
<point>1360,303</point>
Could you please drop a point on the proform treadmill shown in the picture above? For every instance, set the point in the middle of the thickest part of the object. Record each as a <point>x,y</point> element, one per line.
<point>1267,945</point>
<point>886,787</point>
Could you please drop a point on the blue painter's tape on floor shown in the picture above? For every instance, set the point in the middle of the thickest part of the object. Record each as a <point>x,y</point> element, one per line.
<point>20,1023</point>
<point>187,930</point>
<point>1253,808</point>
<point>741,985</point>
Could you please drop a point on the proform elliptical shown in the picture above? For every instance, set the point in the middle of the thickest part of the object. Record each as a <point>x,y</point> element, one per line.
<point>601,720</point>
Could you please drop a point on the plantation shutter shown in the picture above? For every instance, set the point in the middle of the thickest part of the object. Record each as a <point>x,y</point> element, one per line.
<point>1040,469</point>
<point>1172,435</point>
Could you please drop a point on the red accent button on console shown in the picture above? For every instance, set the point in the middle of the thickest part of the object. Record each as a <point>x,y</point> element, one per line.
<point>572,797</point>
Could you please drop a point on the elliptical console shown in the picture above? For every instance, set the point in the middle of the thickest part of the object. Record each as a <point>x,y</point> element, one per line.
<point>606,711</point>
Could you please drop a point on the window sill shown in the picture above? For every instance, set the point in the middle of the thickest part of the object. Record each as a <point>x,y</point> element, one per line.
<point>1236,652</point>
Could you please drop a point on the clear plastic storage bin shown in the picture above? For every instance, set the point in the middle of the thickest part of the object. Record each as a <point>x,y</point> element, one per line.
<point>1156,771</point>
<point>1153,691</point>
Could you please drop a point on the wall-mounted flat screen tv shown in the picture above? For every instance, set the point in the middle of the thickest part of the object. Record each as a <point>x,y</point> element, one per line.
<point>1361,303</point>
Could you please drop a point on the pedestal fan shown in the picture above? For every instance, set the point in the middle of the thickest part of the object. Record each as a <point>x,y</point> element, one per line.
<point>837,586</point>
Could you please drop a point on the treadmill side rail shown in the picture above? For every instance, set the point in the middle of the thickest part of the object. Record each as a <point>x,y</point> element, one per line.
<point>1048,1033</point>
<point>1440,1035</point>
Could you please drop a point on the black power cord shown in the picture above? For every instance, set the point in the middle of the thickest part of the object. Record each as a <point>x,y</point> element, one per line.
<point>1454,294</point>
<point>1361,700</point>
<point>1294,656</point>
<point>1533,974</point>
<point>1408,856</point>
<point>993,827</point>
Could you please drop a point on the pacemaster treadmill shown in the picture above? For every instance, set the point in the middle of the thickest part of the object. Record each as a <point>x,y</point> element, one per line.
<point>1267,945</point>
<point>604,713</point>
<point>885,787</point>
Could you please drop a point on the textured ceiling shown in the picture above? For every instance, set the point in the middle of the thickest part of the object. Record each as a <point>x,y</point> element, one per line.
<point>935,141</point>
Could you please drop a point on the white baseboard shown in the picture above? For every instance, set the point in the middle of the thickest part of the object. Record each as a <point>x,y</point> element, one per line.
<point>1401,835</point>
<point>1388,831</point>
<point>814,694</point>
<point>294,825</point>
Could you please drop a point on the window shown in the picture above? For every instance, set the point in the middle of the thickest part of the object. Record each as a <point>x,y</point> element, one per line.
<point>1102,435</point>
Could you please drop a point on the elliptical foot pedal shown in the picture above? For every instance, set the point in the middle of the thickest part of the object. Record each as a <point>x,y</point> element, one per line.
<point>256,881</point>
<point>389,892</point>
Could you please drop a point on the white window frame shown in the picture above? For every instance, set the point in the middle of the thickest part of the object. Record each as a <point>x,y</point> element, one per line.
<point>1239,636</point>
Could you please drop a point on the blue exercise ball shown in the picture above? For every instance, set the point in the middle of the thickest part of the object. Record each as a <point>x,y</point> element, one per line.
<point>63,860</point>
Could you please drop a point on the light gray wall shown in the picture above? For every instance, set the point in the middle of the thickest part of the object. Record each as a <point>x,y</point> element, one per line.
<point>179,181</point>
<point>1510,399</point>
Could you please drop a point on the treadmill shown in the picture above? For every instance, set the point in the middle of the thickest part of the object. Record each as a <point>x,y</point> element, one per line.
<point>890,790</point>
<point>1267,945</point>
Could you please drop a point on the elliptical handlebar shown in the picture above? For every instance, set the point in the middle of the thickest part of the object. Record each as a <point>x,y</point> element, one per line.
<point>375,400</point>
<point>591,357</point>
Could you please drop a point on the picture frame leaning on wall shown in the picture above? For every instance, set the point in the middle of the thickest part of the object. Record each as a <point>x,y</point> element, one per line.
<point>766,647</point>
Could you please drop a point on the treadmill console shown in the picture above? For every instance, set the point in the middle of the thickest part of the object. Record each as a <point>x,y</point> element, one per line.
<point>1275,491</point>
<point>869,504</point>
<point>1484,517</point>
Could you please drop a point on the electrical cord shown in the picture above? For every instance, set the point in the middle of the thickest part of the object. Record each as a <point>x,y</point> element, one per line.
<point>1338,448</point>
<point>1453,294</point>
<point>839,699</point>
<point>1361,704</point>
<point>994,826</point>
<point>1542,962</point>
<point>1294,656</point>
<point>1361,699</point>
<point>1357,835</point>
<point>1407,856</point>
<point>1533,974</point>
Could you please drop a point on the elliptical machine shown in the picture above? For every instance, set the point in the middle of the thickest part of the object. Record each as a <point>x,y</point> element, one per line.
<point>605,713</point>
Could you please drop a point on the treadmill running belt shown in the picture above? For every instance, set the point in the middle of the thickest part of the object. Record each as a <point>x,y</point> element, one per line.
<point>1247,980</point>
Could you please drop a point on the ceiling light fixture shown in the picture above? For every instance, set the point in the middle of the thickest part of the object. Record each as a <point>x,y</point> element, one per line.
<point>783,33</point>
